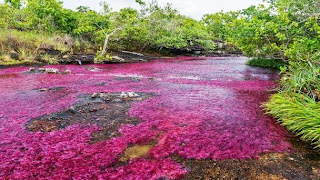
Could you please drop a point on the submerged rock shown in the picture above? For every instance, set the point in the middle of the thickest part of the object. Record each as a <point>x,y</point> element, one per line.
<point>135,152</point>
<point>44,70</point>
<point>32,69</point>
<point>51,89</point>
<point>95,95</point>
<point>117,58</point>
<point>67,71</point>
<point>51,71</point>
<point>93,69</point>
<point>104,96</point>
<point>128,95</point>
<point>115,96</point>
<point>44,89</point>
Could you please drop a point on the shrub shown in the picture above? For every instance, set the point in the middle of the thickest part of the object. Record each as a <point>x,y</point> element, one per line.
<point>30,42</point>
<point>301,79</point>
<point>266,63</point>
<point>299,113</point>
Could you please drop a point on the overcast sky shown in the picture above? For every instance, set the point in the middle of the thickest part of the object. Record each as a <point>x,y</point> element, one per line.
<point>191,8</point>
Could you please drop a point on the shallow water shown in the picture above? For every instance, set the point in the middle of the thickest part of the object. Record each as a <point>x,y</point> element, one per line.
<point>201,109</point>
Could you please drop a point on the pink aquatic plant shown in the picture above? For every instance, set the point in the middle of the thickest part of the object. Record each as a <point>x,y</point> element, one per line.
<point>204,109</point>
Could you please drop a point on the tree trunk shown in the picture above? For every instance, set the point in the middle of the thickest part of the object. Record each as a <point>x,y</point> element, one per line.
<point>106,41</point>
<point>105,46</point>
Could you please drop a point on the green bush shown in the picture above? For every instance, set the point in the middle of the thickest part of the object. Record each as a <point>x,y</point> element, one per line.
<point>31,42</point>
<point>301,79</point>
<point>266,63</point>
<point>299,113</point>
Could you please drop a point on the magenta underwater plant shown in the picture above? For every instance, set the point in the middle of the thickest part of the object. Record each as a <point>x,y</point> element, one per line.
<point>202,109</point>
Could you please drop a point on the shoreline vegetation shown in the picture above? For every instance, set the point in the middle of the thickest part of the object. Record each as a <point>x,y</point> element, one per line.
<point>267,63</point>
<point>284,35</point>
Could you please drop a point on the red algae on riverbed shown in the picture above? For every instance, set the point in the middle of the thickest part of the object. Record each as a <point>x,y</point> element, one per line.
<point>201,109</point>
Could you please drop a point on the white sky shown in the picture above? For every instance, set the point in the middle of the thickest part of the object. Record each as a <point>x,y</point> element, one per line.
<point>191,8</point>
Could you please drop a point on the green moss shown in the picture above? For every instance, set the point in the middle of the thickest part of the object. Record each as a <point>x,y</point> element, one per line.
<point>266,63</point>
<point>298,113</point>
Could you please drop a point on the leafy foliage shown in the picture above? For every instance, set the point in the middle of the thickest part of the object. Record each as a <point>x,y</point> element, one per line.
<point>218,24</point>
<point>168,29</point>
<point>299,113</point>
<point>301,79</point>
<point>153,27</point>
<point>49,15</point>
<point>30,44</point>
<point>267,63</point>
<point>12,18</point>
<point>15,3</point>
<point>286,29</point>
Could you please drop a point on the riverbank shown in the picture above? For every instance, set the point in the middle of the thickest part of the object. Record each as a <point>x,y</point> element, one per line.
<point>116,56</point>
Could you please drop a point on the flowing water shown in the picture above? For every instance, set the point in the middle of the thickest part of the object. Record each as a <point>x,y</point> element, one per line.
<point>185,112</point>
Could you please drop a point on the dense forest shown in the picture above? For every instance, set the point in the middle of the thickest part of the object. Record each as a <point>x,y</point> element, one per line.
<point>283,34</point>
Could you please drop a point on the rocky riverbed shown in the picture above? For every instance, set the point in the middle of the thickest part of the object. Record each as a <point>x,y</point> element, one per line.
<point>189,118</point>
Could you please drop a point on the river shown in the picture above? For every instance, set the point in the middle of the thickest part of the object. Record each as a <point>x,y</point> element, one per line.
<point>166,119</point>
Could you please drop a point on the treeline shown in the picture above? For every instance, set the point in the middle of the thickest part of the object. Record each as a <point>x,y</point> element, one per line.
<point>154,27</point>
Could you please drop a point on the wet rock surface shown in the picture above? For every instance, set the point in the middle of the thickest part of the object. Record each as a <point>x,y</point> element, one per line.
<point>107,110</point>
<point>304,164</point>
<point>47,71</point>
<point>117,56</point>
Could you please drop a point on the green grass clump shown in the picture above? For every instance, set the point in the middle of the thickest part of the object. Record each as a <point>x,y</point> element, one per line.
<point>298,113</point>
<point>303,80</point>
<point>266,63</point>
<point>29,44</point>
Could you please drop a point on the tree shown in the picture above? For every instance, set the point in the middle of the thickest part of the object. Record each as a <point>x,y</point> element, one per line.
<point>140,2</point>
<point>119,21</point>
<point>49,15</point>
<point>168,29</point>
<point>15,3</point>
<point>218,24</point>
<point>89,25</point>
<point>83,9</point>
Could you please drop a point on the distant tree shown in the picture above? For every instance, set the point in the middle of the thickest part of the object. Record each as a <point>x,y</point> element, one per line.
<point>218,24</point>
<point>83,9</point>
<point>15,3</point>
<point>140,2</point>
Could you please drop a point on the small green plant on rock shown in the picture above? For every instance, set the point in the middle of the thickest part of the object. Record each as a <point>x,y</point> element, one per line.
<point>100,57</point>
<point>49,59</point>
